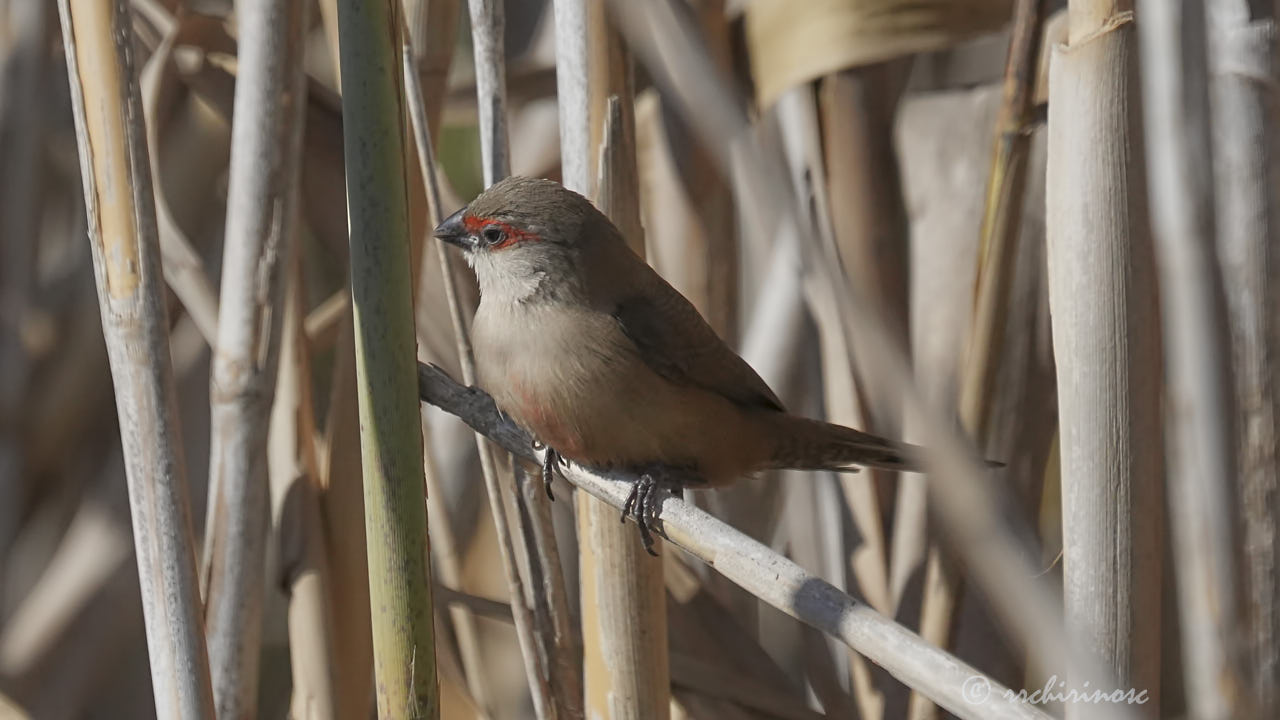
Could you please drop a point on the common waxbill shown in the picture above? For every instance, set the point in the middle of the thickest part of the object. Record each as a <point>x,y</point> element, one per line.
<point>588,348</point>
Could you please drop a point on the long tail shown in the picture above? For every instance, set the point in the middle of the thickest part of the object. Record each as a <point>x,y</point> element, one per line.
<point>805,444</point>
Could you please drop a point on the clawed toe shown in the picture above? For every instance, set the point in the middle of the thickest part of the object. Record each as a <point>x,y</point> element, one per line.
<point>549,463</point>
<point>644,504</point>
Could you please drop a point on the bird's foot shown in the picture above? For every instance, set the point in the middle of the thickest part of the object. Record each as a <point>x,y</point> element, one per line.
<point>644,504</point>
<point>645,501</point>
<point>550,461</point>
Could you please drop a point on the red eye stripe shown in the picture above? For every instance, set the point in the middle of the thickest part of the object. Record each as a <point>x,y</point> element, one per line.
<point>511,234</point>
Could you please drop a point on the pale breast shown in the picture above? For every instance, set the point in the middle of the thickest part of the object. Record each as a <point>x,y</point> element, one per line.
<point>548,368</point>
<point>572,378</point>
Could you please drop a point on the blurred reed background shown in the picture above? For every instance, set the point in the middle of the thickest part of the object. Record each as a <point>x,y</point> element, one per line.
<point>1032,230</point>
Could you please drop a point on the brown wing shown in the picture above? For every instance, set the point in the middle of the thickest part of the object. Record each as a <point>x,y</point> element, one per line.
<point>679,345</point>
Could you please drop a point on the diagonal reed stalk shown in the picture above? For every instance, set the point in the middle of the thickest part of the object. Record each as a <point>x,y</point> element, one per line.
<point>126,259</point>
<point>390,424</point>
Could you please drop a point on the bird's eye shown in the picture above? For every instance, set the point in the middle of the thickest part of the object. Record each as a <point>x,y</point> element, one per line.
<point>492,235</point>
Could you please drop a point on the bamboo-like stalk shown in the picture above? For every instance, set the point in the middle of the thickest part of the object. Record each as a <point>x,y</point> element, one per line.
<point>486,32</point>
<point>266,141</point>
<point>624,609</point>
<point>1242,52</point>
<point>624,627</point>
<point>295,501</point>
<point>122,235</point>
<point>573,91</point>
<point>1102,299</point>
<point>390,426</point>
<point>487,24</point>
<point>1173,41</point>
<point>762,572</point>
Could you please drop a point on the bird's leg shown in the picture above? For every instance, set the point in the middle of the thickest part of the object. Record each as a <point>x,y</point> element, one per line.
<point>550,461</point>
<point>642,503</point>
<point>645,501</point>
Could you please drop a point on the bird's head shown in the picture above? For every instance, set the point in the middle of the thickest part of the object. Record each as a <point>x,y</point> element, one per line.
<point>525,235</point>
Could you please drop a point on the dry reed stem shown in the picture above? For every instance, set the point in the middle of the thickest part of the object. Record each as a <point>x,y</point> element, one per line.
<point>624,618</point>
<point>573,91</point>
<point>869,226</point>
<point>183,269</point>
<point>322,324</point>
<point>262,197</point>
<point>868,221</point>
<point>1242,58</point>
<point>762,572</point>
<point>329,22</point>
<point>95,548</point>
<point>431,31</point>
<point>342,516</point>
<point>447,548</point>
<point>487,24</point>
<point>558,634</point>
<point>1201,410</point>
<point>1001,221</point>
<point>1106,346</point>
<point>299,531</point>
<point>433,34</point>
<point>624,629</point>
<point>486,30</point>
<point>997,262</point>
<point>122,234</point>
<point>845,399</point>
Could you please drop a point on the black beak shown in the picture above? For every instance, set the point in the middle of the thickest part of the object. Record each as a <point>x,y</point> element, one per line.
<point>454,231</point>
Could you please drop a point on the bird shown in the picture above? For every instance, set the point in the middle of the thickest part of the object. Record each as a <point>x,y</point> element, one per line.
<point>605,364</point>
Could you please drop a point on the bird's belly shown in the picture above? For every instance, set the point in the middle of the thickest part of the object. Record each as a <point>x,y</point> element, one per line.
<point>549,372</point>
<point>582,389</point>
